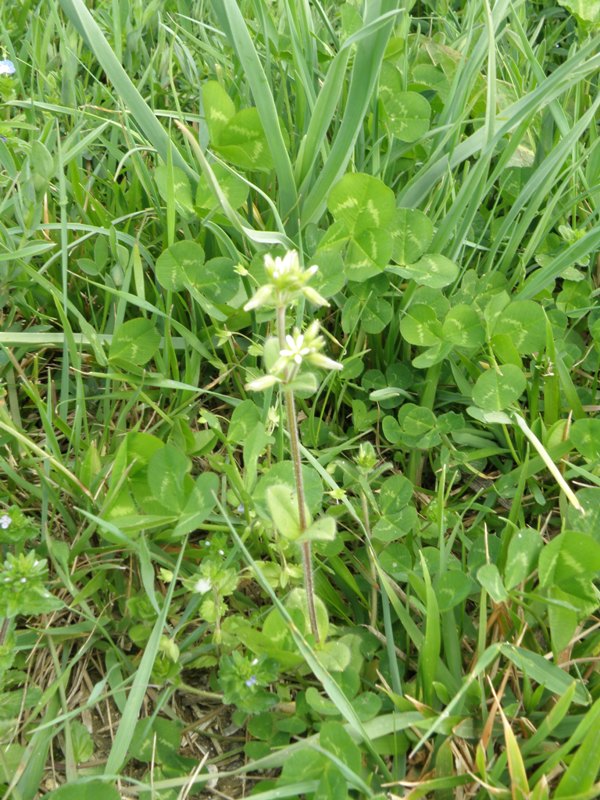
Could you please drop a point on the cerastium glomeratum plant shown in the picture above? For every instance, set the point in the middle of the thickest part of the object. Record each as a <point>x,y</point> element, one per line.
<point>287,356</point>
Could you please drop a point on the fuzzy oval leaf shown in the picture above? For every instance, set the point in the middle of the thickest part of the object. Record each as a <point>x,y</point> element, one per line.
<point>167,469</point>
<point>412,235</point>
<point>134,342</point>
<point>283,507</point>
<point>199,503</point>
<point>360,202</point>
<point>173,264</point>
<point>498,388</point>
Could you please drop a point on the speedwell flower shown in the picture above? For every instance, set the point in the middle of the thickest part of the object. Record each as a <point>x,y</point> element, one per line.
<point>7,67</point>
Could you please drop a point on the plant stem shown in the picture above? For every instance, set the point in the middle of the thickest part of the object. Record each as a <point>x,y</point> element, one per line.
<point>290,407</point>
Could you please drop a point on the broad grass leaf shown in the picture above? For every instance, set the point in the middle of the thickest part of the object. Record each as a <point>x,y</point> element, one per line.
<point>421,326</point>
<point>361,202</point>
<point>412,235</point>
<point>524,322</point>
<point>463,327</point>
<point>175,265</point>
<point>585,435</point>
<point>134,342</point>
<point>432,270</point>
<point>584,766</point>
<point>499,387</point>
<point>544,672</point>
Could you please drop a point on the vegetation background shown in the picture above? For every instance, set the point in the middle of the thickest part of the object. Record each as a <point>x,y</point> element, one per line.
<point>439,162</point>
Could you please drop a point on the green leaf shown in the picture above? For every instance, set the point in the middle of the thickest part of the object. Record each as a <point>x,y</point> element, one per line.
<point>521,556</point>
<point>89,790</point>
<point>524,322</point>
<point>218,108</point>
<point>283,472</point>
<point>335,739</point>
<point>433,270</point>
<point>322,529</point>
<point>243,141</point>
<point>463,327</point>
<point>283,507</point>
<point>499,387</point>
<point>134,342</point>
<point>421,326</point>
<point>233,187</point>
<point>374,314</point>
<point>182,190</point>
<point>361,202</point>
<point>412,235</point>
<point>157,739</point>
<point>453,587</point>
<point>585,435</point>
<point>586,10</point>
<point>175,265</point>
<point>167,470</point>
<point>489,577</point>
<point>83,744</point>
<point>408,114</point>
<point>217,280</point>
<point>199,505</point>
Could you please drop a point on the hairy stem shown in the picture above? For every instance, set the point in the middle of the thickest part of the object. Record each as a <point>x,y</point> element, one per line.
<point>290,407</point>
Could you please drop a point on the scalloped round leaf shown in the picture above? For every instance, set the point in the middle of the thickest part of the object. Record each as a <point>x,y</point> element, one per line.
<point>408,115</point>
<point>497,388</point>
<point>421,326</point>
<point>585,435</point>
<point>463,327</point>
<point>433,270</point>
<point>173,264</point>
<point>411,236</point>
<point>134,342</point>
<point>360,201</point>
<point>232,186</point>
<point>524,322</point>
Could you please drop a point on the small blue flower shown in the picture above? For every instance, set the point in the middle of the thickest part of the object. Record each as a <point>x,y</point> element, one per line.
<point>7,67</point>
<point>251,681</point>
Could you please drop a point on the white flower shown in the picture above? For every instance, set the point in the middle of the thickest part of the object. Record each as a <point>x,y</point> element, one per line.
<point>7,67</point>
<point>5,521</point>
<point>296,349</point>
<point>202,586</point>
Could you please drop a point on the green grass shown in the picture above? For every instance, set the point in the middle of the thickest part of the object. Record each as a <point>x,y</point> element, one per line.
<point>439,162</point>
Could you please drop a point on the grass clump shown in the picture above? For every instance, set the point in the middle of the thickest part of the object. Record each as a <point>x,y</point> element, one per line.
<point>276,531</point>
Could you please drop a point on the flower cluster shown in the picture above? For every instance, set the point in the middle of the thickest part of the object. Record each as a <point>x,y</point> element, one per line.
<point>287,282</point>
<point>300,348</point>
